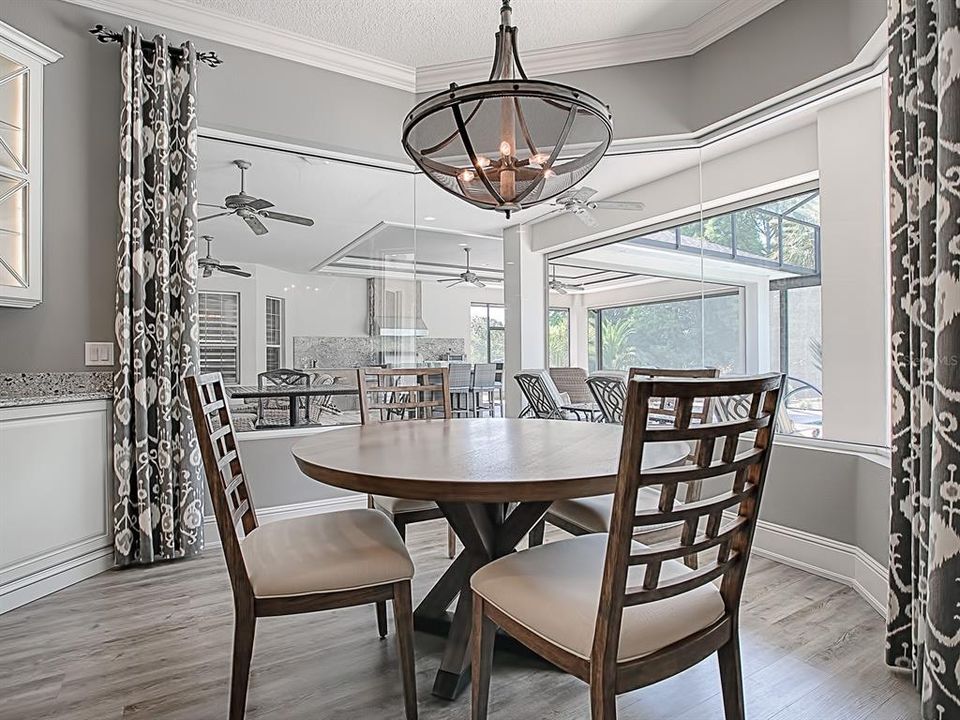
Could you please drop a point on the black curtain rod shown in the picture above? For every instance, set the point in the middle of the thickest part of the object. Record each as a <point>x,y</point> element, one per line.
<point>106,35</point>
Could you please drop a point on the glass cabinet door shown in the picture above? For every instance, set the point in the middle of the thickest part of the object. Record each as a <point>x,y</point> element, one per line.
<point>14,173</point>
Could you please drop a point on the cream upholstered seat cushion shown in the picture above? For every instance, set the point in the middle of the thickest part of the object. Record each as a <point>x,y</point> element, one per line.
<point>554,591</point>
<point>395,506</point>
<point>326,552</point>
<point>593,513</point>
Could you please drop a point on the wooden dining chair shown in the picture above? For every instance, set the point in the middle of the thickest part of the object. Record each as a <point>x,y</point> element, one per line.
<point>623,615</point>
<point>581,516</point>
<point>305,564</point>
<point>396,394</point>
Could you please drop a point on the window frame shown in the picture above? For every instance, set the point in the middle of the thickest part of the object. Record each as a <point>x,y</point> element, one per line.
<point>267,345</point>
<point>239,326</point>
<point>566,311</point>
<point>503,329</point>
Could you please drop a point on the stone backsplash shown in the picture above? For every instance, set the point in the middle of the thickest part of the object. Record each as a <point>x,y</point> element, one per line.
<point>348,352</point>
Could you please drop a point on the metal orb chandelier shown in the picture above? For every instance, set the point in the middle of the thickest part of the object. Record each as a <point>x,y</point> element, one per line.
<point>510,142</point>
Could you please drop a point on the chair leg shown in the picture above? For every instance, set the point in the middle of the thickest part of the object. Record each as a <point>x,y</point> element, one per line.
<point>731,678</point>
<point>603,701</point>
<point>536,534</point>
<point>484,635</point>
<point>403,619</point>
<point>382,618</point>
<point>244,627</point>
<point>451,542</point>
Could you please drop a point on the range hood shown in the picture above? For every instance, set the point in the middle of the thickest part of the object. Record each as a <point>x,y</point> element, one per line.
<point>395,308</point>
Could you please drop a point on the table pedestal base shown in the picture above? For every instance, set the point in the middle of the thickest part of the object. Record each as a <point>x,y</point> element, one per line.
<point>487,531</point>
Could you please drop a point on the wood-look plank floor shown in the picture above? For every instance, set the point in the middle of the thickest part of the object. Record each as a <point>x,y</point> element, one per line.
<point>154,644</point>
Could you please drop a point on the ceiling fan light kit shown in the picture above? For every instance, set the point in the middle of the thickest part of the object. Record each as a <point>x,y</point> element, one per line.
<point>509,142</point>
<point>468,276</point>
<point>209,264</point>
<point>251,209</point>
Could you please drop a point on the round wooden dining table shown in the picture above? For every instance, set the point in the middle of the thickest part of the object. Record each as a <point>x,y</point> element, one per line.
<point>493,479</point>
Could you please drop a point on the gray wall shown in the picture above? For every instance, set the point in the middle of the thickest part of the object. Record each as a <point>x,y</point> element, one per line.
<point>792,44</point>
<point>251,92</point>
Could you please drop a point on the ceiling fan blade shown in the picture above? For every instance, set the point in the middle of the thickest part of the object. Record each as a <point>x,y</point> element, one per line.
<point>254,223</point>
<point>221,207</point>
<point>450,280</point>
<point>210,217</point>
<point>586,218</point>
<point>614,205</point>
<point>584,194</point>
<point>287,218</point>
<point>259,204</point>
<point>477,282</point>
<point>234,270</point>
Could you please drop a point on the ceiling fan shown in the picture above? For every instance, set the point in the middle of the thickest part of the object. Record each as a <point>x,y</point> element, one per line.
<point>579,203</point>
<point>467,276</point>
<point>560,287</point>
<point>251,209</point>
<point>209,264</point>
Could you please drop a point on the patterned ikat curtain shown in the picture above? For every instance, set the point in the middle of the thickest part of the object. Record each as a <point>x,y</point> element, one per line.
<point>923,630</point>
<point>158,506</point>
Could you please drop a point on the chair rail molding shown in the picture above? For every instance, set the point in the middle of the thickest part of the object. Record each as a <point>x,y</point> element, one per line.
<point>232,30</point>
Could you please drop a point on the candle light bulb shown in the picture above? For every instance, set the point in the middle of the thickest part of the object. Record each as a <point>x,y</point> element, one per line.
<point>467,175</point>
<point>548,173</point>
<point>540,158</point>
<point>483,161</point>
<point>505,149</point>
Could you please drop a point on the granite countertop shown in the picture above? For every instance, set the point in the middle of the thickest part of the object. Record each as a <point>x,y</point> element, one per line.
<point>6,402</point>
<point>46,388</point>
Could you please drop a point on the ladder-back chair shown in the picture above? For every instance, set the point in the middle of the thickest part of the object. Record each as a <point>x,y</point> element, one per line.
<point>397,394</point>
<point>624,615</point>
<point>319,562</point>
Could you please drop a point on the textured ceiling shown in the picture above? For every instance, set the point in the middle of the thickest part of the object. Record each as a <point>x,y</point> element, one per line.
<point>427,32</point>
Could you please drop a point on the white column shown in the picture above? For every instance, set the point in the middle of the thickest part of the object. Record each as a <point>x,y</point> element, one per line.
<point>853,253</point>
<point>757,326</point>
<point>524,296</point>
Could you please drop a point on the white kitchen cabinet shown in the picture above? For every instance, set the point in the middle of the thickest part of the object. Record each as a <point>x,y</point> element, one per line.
<point>22,60</point>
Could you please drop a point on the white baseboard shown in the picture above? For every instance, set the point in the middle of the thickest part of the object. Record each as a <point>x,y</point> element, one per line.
<point>818,555</point>
<point>211,535</point>
<point>825,557</point>
<point>814,554</point>
<point>45,582</point>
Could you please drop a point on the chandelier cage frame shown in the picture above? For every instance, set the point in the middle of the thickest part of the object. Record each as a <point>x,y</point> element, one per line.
<point>504,86</point>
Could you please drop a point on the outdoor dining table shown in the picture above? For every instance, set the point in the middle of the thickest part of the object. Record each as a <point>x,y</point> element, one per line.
<point>493,479</point>
<point>291,393</point>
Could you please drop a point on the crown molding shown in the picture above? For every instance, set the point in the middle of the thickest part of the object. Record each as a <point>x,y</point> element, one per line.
<point>200,22</point>
<point>45,54</point>
<point>681,42</point>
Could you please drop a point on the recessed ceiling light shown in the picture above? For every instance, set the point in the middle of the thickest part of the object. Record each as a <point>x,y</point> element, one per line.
<point>510,262</point>
<point>463,244</point>
<point>429,218</point>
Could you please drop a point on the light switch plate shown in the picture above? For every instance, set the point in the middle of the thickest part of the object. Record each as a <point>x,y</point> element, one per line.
<point>98,353</point>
